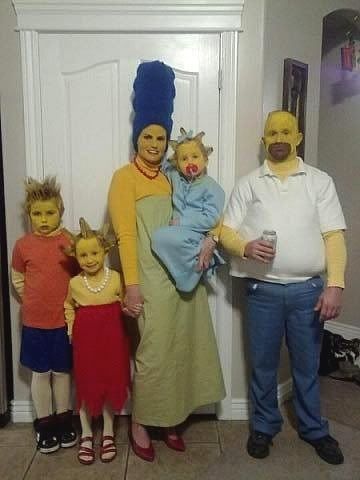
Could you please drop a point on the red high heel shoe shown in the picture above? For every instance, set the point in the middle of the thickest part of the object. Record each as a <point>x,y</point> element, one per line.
<point>145,453</point>
<point>177,443</point>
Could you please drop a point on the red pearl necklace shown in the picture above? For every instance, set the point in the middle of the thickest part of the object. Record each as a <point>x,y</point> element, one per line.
<point>144,172</point>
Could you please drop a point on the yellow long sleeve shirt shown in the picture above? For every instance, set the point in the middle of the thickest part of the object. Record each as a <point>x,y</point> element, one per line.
<point>129,185</point>
<point>79,295</point>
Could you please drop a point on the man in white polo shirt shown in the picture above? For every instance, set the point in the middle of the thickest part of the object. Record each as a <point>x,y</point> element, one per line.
<point>285,294</point>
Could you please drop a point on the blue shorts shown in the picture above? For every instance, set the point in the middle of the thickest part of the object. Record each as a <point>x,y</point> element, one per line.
<point>43,350</point>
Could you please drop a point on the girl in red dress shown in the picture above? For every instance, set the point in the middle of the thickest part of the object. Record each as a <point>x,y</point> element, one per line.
<point>101,353</point>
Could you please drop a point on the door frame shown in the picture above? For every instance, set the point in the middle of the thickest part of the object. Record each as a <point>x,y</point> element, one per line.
<point>6,363</point>
<point>151,16</point>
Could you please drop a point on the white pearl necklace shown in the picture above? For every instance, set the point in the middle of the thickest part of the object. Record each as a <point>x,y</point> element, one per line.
<point>102,284</point>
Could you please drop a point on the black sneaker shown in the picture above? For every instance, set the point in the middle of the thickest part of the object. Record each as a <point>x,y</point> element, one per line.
<point>328,449</point>
<point>46,438</point>
<point>258,444</point>
<point>66,433</point>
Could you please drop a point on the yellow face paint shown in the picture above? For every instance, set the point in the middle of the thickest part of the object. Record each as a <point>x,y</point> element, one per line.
<point>190,160</point>
<point>44,216</point>
<point>152,144</point>
<point>90,255</point>
<point>281,136</point>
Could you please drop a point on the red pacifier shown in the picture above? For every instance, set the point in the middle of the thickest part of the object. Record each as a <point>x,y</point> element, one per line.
<point>191,169</point>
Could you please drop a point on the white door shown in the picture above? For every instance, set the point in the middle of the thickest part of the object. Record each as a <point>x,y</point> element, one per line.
<point>86,90</point>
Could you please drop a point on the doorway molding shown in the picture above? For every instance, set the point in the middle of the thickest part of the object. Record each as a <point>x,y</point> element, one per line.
<point>36,17</point>
<point>130,15</point>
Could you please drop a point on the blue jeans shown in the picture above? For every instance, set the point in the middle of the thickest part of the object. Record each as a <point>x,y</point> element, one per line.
<point>275,310</point>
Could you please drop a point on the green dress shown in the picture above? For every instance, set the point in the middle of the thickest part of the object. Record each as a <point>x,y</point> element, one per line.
<point>177,367</point>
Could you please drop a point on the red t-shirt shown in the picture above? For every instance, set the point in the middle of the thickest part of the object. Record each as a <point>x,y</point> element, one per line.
<point>47,271</point>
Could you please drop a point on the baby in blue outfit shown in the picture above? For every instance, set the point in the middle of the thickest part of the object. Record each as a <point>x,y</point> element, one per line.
<point>198,202</point>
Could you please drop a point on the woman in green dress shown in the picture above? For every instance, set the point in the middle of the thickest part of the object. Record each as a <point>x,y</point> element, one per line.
<point>177,366</point>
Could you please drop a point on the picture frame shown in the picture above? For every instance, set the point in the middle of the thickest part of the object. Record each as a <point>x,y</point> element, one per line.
<point>295,80</point>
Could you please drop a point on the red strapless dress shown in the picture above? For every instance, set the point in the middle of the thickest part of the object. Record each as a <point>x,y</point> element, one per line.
<point>101,358</point>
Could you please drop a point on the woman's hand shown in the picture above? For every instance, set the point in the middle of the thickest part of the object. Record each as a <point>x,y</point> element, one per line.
<point>207,251</point>
<point>133,301</point>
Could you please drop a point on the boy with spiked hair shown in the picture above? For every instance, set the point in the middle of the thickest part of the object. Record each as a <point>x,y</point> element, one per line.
<point>40,274</point>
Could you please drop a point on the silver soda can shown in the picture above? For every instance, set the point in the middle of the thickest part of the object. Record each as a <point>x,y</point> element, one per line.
<point>270,236</point>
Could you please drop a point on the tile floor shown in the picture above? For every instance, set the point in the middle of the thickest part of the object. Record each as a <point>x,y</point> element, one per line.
<point>215,450</point>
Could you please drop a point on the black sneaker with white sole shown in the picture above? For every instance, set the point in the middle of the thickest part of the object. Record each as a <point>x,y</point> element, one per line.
<point>46,437</point>
<point>66,433</point>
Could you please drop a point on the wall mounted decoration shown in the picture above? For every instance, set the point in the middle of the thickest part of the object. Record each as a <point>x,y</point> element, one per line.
<point>294,94</point>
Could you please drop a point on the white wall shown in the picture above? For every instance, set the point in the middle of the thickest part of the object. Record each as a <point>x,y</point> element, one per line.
<point>296,33</point>
<point>12,120</point>
<point>273,30</point>
<point>293,29</point>
<point>249,127</point>
<point>339,150</point>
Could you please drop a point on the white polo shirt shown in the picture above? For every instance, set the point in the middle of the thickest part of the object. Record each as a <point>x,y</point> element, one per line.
<point>299,209</point>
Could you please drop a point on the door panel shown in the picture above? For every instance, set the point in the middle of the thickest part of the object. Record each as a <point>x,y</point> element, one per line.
<point>86,91</point>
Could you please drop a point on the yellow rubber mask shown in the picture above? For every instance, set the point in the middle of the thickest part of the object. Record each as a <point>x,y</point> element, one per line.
<point>281,136</point>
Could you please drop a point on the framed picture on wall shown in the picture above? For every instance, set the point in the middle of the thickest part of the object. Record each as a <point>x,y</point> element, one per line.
<point>294,94</point>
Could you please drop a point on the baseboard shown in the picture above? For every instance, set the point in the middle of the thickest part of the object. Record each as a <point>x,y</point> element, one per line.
<point>22,411</point>
<point>347,331</point>
<point>240,406</point>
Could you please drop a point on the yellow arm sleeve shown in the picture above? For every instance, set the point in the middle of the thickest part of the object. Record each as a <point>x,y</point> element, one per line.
<point>335,253</point>
<point>232,241</point>
<point>215,232</point>
<point>18,280</point>
<point>122,200</point>
<point>69,311</point>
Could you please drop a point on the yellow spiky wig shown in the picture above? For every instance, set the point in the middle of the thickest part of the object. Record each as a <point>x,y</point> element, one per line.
<point>102,236</point>
<point>187,137</point>
<point>41,191</point>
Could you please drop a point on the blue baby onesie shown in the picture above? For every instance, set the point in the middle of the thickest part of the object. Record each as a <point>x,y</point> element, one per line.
<point>197,206</point>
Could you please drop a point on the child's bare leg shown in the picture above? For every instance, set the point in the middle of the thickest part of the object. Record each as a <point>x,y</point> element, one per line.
<point>86,454</point>
<point>108,447</point>
<point>108,416</point>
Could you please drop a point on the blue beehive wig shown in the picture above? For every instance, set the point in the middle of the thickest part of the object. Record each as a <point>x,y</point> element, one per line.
<point>154,93</point>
